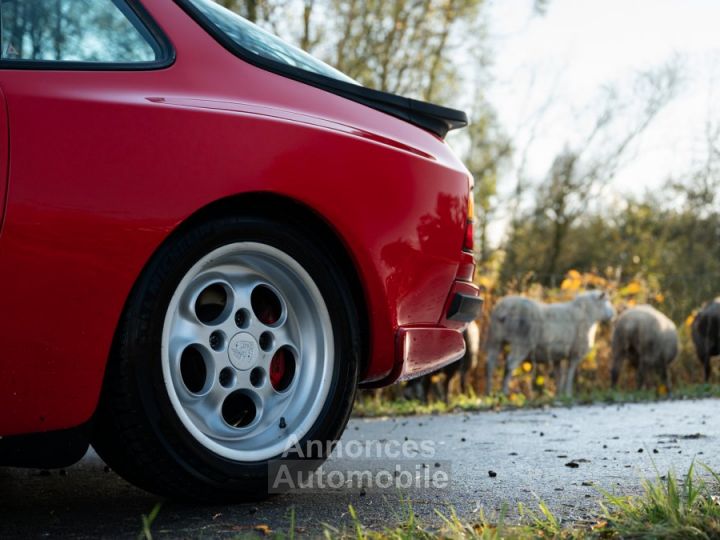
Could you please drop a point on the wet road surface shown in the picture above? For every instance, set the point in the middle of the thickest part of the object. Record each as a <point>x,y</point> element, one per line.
<point>559,455</point>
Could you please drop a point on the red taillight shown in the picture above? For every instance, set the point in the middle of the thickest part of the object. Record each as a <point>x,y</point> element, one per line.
<point>469,243</point>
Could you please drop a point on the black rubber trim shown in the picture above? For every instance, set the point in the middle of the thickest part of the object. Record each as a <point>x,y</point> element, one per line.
<point>465,308</point>
<point>141,20</point>
<point>433,118</point>
<point>48,450</point>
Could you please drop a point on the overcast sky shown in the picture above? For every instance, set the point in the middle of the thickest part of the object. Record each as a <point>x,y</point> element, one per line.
<point>581,45</point>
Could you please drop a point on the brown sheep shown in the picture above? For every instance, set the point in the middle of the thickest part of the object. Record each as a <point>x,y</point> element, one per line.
<point>706,334</point>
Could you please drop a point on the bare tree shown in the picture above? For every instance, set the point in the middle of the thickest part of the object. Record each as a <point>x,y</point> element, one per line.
<point>583,169</point>
<point>401,46</point>
<point>699,189</point>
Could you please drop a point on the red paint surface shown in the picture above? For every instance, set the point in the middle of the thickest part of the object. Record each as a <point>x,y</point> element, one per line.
<point>4,161</point>
<point>104,165</point>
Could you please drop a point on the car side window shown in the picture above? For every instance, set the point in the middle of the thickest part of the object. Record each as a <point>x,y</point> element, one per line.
<point>79,31</point>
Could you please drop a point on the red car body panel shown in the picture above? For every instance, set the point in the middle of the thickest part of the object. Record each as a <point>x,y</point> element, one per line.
<point>104,165</point>
<point>4,150</point>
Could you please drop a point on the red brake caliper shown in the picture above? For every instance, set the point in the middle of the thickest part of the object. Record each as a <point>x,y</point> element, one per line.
<point>278,365</point>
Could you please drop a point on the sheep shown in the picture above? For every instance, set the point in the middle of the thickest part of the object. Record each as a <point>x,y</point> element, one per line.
<point>545,333</point>
<point>706,334</point>
<point>648,339</point>
<point>421,388</point>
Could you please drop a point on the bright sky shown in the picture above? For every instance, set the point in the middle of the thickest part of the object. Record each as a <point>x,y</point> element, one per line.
<point>581,45</point>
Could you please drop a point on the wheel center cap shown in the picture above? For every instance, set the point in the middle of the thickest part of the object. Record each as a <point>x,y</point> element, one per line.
<point>243,351</point>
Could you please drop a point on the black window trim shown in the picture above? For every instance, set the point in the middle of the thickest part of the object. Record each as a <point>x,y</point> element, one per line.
<point>433,118</point>
<point>160,44</point>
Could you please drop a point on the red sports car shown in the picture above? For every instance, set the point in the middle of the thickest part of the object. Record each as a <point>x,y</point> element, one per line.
<point>209,240</point>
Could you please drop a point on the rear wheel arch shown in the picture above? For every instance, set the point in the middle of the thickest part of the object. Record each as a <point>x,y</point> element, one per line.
<point>292,212</point>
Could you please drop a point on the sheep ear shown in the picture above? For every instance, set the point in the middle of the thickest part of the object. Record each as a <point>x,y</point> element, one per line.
<point>603,295</point>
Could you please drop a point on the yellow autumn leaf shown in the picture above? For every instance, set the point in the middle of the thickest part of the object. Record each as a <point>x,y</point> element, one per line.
<point>631,288</point>
<point>263,528</point>
<point>574,275</point>
<point>570,284</point>
<point>659,298</point>
<point>527,367</point>
<point>662,390</point>
<point>540,380</point>
<point>690,320</point>
<point>631,302</point>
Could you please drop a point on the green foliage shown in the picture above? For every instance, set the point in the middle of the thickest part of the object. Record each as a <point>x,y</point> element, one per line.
<point>371,405</point>
<point>675,247</point>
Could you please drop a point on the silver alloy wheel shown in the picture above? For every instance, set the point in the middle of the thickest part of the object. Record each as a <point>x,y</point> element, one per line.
<point>247,351</point>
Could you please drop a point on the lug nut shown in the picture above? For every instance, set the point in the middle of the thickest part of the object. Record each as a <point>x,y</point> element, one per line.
<point>217,340</point>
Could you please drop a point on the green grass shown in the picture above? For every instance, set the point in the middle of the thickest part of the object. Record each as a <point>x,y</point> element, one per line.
<point>367,405</point>
<point>668,508</point>
<point>147,523</point>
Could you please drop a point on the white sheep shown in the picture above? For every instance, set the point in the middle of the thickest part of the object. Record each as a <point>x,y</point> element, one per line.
<point>545,333</point>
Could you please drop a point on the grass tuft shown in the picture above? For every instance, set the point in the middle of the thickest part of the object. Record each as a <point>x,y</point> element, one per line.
<point>669,508</point>
<point>147,522</point>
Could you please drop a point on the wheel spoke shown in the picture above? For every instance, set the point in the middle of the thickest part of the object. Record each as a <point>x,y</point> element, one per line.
<point>188,330</point>
<point>208,403</point>
<point>206,410</point>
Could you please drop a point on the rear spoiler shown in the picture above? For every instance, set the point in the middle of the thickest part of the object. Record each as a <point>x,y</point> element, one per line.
<point>433,118</point>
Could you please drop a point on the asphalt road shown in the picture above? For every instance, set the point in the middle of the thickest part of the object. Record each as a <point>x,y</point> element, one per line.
<point>612,447</point>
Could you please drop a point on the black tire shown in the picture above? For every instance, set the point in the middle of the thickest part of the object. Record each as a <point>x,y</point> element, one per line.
<point>136,430</point>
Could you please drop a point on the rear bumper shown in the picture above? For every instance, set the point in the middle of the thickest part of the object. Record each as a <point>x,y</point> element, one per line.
<point>424,350</point>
